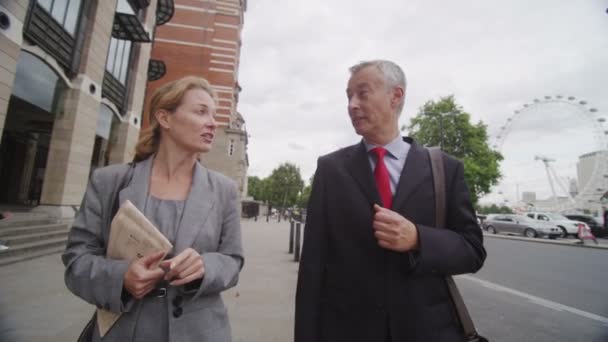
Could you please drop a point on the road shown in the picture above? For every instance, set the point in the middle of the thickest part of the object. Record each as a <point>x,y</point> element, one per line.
<point>539,292</point>
<point>526,291</point>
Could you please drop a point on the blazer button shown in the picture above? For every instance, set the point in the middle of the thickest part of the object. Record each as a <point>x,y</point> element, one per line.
<point>177,301</point>
<point>178,311</point>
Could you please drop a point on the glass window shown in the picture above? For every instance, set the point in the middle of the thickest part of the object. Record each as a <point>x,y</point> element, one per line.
<point>118,63</point>
<point>125,62</point>
<point>59,9</point>
<point>46,4</point>
<point>104,121</point>
<point>66,12</point>
<point>118,59</point>
<point>71,17</point>
<point>111,55</point>
<point>37,83</point>
<point>123,6</point>
<point>231,147</point>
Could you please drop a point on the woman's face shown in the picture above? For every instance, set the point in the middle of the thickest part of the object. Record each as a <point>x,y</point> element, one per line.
<point>192,125</point>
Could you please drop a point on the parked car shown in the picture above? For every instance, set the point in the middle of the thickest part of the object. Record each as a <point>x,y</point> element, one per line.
<point>521,225</point>
<point>597,228</point>
<point>567,226</point>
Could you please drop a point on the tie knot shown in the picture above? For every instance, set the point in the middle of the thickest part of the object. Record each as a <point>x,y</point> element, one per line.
<point>379,151</point>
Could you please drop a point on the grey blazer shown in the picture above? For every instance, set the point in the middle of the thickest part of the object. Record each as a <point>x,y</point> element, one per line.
<point>210,225</point>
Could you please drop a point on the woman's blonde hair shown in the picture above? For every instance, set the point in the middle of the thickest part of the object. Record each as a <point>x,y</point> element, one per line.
<point>167,97</point>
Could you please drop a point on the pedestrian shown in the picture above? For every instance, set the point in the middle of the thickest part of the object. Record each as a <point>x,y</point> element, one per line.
<point>195,208</point>
<point>373,266</point>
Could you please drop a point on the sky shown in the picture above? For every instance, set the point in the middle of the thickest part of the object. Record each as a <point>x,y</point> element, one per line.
<point>493,56</point>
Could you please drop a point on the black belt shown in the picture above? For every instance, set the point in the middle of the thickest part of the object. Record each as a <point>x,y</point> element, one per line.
<point>158,292</point>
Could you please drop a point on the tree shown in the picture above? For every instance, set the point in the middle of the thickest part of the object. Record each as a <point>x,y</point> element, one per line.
<point>445,123</point>
<point>284,185</point>
<point>256,188</point>
<point>494,209</point>
<point>305,194</point>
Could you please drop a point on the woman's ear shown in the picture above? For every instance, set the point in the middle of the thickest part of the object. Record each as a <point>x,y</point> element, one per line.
<point>162,116</point>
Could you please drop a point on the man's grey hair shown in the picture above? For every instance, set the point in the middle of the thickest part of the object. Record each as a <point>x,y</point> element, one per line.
<point>393,75</point>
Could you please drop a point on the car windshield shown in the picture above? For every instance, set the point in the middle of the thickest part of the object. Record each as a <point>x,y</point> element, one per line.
<point>556,216</point>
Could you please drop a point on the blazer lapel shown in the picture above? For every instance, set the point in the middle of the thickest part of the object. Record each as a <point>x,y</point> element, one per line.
<point>137,190</point>
<point>416,172</point>
<point>198,206</point>
<point>357,164</point>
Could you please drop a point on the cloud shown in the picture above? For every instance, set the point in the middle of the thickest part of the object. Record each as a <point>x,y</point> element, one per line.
<point>493,56</point>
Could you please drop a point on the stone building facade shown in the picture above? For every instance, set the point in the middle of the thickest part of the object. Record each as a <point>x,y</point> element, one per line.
<point>73,75</point>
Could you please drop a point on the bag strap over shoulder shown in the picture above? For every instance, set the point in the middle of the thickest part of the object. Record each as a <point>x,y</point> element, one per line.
<point>436,158</point>
<point>124,182</point>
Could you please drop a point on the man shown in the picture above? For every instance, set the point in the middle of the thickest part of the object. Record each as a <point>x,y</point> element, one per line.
<point>373,264</point>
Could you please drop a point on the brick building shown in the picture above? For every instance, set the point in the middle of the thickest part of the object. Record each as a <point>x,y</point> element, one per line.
<point>203,38</point>
<point>73,74</point>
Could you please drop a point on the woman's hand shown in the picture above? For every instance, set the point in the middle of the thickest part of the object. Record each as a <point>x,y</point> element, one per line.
<point>184,268</point>
<point>143,274</point>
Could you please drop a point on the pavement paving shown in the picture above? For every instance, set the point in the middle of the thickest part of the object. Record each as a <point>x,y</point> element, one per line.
<point>36,306</point>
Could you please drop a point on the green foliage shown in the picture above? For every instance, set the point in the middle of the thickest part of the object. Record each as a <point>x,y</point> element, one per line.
<point>304,196</point>
<point>444,123</point>
<point>281,189</point>
<point>494,209</point>
<point>256,188</point>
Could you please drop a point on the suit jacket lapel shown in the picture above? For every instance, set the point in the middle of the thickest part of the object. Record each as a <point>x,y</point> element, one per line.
<point>416,172</point>
<point>357,164</point>
<point>198,206</point>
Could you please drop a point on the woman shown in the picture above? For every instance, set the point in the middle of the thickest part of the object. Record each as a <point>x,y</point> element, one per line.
<point>195,208</point>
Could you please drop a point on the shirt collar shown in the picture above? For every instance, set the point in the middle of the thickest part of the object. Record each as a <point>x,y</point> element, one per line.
<point>397,148</point>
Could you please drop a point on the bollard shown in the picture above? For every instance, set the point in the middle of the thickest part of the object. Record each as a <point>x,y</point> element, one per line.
<point>296,254</point>
<point>291,228</point>
<point>267,217</point>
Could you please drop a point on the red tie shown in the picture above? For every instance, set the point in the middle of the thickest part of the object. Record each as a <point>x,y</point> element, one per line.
<point>382,178</point>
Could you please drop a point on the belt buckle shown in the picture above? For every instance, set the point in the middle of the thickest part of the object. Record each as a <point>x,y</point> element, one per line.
<point>161,292</point>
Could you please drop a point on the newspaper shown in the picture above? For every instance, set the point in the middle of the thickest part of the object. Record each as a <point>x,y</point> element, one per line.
<point>132,236</point>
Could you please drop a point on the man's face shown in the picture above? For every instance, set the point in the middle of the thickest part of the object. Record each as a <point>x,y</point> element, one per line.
<point>372,105</point>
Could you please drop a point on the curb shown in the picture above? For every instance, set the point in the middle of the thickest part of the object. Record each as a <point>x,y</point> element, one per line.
<point>548,241</point>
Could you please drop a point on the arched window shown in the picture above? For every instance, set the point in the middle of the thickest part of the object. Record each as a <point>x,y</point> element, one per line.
<point>38,84</point>
<point>37,98</point>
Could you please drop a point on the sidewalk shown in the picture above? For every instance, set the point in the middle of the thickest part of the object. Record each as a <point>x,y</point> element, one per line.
<point>261,307</point>
<point>36,306</point>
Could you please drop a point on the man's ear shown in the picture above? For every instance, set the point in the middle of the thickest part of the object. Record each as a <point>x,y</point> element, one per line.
<point>162,116</point>
<point>398,95</point>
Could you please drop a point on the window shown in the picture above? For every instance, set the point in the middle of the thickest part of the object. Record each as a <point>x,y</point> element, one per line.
<point>65,12</point>
<point>123,6</point>
<point>231,147</point>
<point>117,63</point>
<point>37,83</point>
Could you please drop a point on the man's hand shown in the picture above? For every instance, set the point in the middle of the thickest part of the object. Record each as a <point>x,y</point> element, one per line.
<point>393,231</point>
<point>184,268</point>
<point>143,274</point>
